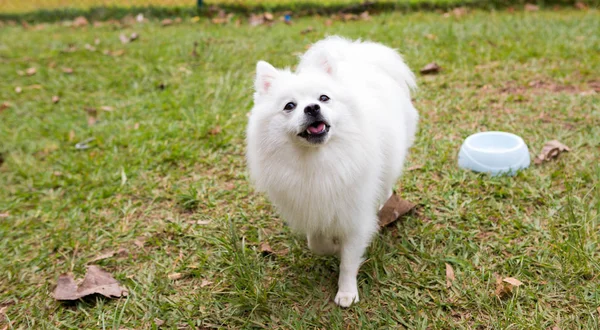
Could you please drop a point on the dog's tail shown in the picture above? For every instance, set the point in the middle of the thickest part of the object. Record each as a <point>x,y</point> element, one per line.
<point>334,49</point>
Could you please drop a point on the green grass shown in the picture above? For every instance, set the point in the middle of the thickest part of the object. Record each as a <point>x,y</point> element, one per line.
<point>159,170</point>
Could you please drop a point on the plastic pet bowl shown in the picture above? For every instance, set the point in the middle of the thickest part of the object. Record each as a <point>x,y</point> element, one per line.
<point>495,153</point>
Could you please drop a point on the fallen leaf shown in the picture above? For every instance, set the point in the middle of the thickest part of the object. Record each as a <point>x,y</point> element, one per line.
<point>4,215</point>
<point>67,70</point>
<point>307,30</point>
<point>80,21</point>
<point>134,36</point>
<point>177,20</point>
<point>219,20</point>
<point>71,135</point>
<point>205,283</point>
<point>431,36</point>
<point>512,281</point>
<point>449,275</point>
<point>504,286</point>
<point>106,108</point>
<point>581,6</point>
<point>92,115</point>
<point>214,131</point>
<point>4,106</point>
<point>18,89</point>
<point>102,256</point>
<point>124,39</point>
<point>229,186</point>
<point>34,86</point>
<point>393,208</point>
<point>114,53</point>
<point>328,22</point>
<point>158,321</point>
<point>175,276</point>
<point>70,49</point>
<point>96,281</point>
<point>55,99</point>
<point>531,7</point>
<point>415,167</point>
<point>140,242</point>
<point>268,16</point>
<point>201,222</point>
<point>255,20</point>
<point>460,11</point>
<point>195,19</point>
<point>555,327</point>
<point>365,16</point>
<point>598,309</point>
<point>166,22</point>
<point>136,126</point>
<point>431,68</point>
<point>265,249</point>
<point>89,47</point>
<point>52,64</point>
<point>31,71</point>
<point>549,151</point>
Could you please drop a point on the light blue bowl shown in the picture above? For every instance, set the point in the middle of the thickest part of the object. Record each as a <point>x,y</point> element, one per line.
<point>495,153</point>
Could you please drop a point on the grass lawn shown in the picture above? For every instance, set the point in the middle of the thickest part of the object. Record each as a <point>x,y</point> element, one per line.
<point>164,179</point>
<point>13,6</point>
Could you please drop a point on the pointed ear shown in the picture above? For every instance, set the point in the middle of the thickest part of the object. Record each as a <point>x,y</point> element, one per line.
<point>265,74</point>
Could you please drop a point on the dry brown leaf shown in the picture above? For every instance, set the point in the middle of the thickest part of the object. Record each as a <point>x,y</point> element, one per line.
<point>92,115</point>
<point>265,249</point>
<point>96,281</point>
<point>4,106</point>
<point>175,276</point>
<point>307,30</point>
<point>34,86</point>
<point>550,151</point>
<point>449,275</point>
<point>431,36</point>
<point>55,99</point>
<point>328,22</point>
<point>140,242</point>
<point>67,70</point>
<point>393,209</point>
<point>215,130</point>
<point>114,53</point>
<point>504,286</point>
<point>31,71</point>
<point>255,20</point>
<point>531,7</point>
<point>80,21</point>
<point>107,108</point>
<point>581,6</point>
<point>102,256</point>
<point>598,309</point>
<point>268,16</point>
<point>205,283</point>
<point>431,68</point>
<point>89,47</point>
<point>365,16</point>
<point>415,167</point>
<point>512,281</point>
<point>555,327</point>
<point>229,186</point>
<point>4,215</point>
<point>201,222</point>
<point>18,89</point>
<point>166,22</point>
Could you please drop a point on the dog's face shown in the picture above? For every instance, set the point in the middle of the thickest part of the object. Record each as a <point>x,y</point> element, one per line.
<point>305,107</point>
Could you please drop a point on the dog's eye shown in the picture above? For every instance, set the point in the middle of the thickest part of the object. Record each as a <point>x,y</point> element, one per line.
<point>290,106</point>
<point>323,98</point>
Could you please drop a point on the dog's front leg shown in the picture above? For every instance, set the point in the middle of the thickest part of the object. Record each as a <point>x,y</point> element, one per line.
<point>352,249</point>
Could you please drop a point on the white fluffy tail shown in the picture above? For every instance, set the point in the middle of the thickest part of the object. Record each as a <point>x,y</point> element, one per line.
<point>334,50</point>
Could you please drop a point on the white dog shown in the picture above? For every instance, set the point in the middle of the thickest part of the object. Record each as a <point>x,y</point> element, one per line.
<point>327,143</point>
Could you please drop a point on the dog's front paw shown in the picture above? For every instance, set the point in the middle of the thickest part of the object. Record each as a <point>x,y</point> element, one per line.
<point>345,299</point>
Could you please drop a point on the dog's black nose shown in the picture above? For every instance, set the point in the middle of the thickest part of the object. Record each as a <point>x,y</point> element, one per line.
<point>312,110</point>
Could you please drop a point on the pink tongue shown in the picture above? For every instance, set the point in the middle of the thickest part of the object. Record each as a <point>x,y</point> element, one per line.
<point>318,129</point>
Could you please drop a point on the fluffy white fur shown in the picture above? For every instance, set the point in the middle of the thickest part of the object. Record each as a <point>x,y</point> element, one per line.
<point>331,191</point>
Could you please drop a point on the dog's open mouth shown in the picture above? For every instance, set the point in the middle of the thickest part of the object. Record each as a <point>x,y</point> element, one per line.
<point>315,132</point>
